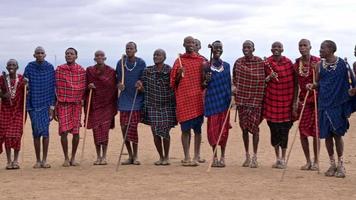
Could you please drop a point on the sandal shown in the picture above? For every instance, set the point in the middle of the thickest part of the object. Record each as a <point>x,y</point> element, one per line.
<point>103,161</point>
<point>314,167</point>
<point>194,163</point>
<point>9,166</point>
<point>221,162</point>
<point>282,164</point>
<point>247,162</point>
<point>166,162</point>
<point>254,163</point>
<point>186,163</point>
<point>215,163</point>
<point>159,162</point>
<point>136,162</point>
<point>45,165</point>
<point>15,165</point>
<point>307,166</point>
<point>74,164</point>
<point>127,162</point>
<point>331,171</point>
<point>97,162</point>
<point>37,165</point>
<point>66,163</point>
<point>277,164</point>
<point>340,171</point>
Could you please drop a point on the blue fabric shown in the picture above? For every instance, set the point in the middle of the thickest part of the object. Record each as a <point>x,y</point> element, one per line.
<point>40,122</point>
<point>131,77</point>
<point>334,103</point>
<point>41,85</point>
<point>194,124</point>
<point>218,93</point>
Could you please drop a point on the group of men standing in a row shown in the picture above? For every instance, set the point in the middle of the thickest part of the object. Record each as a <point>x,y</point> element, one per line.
<point>194,87</point>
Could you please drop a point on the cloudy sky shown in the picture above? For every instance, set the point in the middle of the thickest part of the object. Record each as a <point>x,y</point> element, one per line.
<point>89,25</point>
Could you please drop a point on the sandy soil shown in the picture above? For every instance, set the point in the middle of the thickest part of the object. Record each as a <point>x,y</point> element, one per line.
<point>176,182</point>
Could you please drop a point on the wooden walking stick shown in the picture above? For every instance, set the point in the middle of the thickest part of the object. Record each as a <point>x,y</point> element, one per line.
<point>23,124</point>
<point>126,131</point>
<point>86,124</point>
<point>220,134</point>
<point>180,64</point>
<point>295,134</point>
<point>316,123</point>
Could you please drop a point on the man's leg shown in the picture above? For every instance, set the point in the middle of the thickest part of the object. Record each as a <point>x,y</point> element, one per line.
<point>166,146</point>
<point>255,138</point>
<point>245,138</point>
<point>339,144</point>
<point>128,147</point>
<point>316,148</point>
<point>98,154</point>
<point>64,142</point>
<point>197,144</point>
<point>75,143</point>
<point>305,146</point>
<point>158,144</point>
<point>37,145</point>
<point>45,144</point>
<point>8,156</point>
<point>329,143</point>
<point>186,145</point>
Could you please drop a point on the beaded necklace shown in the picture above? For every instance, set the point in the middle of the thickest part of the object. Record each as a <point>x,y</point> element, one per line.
<point>304,69</point>
<point>12,89</point>
<point>130,69</point>
<point>330,66</point>
<point>217,69</point>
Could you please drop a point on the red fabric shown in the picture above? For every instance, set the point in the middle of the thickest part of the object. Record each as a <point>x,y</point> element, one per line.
<point>279,94</point>
<point>69,115</point>
<point>307,123</point>
<point>303,81</point>
<point>215,124</point>
<point>103,106</point>
<point>250,118</point>
<point>11,117</point>
<point>70,83</point>
<point>132,134</point>
<point>249,80</point>
<point>189,92</point>
<point>101,133</point>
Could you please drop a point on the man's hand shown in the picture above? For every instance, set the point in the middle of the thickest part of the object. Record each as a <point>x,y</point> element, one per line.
<point>139,85</point>
<point>91,86</point>
<point>121,86</point>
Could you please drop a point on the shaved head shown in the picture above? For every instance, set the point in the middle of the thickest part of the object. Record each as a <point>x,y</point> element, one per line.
<point>277,43</point>
<point>99,52</point>
<point>188,38</point>
<point>39,48</point>
<point>305,40</point>
<point>161,51</point>
<point>12,61</point>
<point>249,42</point>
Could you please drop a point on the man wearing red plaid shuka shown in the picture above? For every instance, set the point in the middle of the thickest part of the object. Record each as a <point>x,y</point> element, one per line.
<point>186,80</point>
<point>11,113</point>
<point>280,101</point>
<point>249,81</point>
<point>70,88</point>
<point>305,68</point>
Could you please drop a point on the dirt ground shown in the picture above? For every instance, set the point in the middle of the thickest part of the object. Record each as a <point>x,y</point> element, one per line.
<point>176,182</point>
